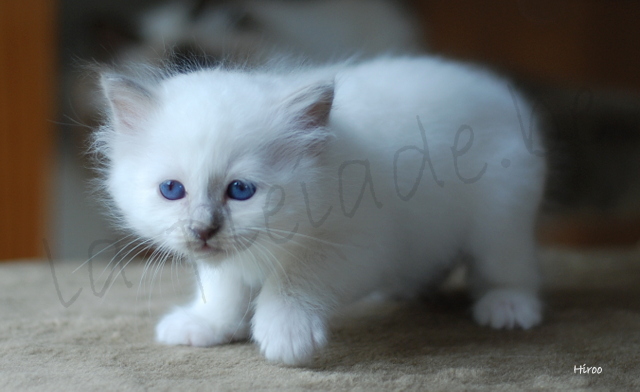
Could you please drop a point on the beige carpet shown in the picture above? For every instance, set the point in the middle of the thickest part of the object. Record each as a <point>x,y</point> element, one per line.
<point>106,343</point>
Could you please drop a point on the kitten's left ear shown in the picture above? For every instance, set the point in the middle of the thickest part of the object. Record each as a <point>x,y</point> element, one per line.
<point>130,102</point>
<point>307,114</point>
<point>312,105</point>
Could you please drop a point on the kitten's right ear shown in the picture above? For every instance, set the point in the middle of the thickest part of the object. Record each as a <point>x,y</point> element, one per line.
<point>130,102</point>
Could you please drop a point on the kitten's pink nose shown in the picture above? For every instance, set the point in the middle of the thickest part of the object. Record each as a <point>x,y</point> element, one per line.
<point>204,233</point>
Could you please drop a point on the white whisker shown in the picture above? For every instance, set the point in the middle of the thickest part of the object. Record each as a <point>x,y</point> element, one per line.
<point>100,252</point>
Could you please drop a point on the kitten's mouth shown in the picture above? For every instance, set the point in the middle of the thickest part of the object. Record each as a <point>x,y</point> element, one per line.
<point>205,249</point>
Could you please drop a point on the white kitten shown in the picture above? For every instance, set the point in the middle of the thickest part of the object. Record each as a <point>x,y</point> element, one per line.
<point>297,192</point>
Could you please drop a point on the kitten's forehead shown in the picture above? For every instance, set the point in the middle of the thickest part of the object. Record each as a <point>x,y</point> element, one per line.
<point>217,103</point>
<point>207,122</point>
<point>217,87</point>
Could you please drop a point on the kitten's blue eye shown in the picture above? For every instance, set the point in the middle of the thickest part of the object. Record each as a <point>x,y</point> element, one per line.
<point>240,190</point>
<point>172,190</point>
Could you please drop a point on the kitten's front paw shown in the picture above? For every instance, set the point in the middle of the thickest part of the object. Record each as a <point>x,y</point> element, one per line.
<point>288,334</point>
<point>508,308</point>
<point>183,327</point>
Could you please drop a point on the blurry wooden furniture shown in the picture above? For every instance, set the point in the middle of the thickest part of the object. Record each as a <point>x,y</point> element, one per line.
<point>27,80</point>
<point>575,42</point>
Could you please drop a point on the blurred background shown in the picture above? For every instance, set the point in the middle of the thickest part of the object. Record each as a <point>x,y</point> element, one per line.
<point>578,62</point>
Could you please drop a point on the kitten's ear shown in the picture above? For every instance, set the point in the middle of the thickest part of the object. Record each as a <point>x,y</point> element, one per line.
<point>307,113</point>
<point>312,105</point>
<point>130,102</point>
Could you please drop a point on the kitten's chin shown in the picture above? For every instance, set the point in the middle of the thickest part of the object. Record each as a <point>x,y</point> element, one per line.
<point>207,249</point>
<point>204,251</point>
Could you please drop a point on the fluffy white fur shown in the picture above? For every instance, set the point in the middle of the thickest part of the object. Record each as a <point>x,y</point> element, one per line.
<point>371,177</point>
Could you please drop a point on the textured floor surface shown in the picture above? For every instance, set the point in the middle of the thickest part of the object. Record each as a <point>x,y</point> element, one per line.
<point>64,331</point>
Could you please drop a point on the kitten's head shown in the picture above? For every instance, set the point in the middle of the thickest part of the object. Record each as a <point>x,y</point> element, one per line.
<point>196,162</point>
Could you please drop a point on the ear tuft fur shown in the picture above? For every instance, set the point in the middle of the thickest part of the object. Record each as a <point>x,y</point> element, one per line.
<point>313,105</point>
<point>306,135</point>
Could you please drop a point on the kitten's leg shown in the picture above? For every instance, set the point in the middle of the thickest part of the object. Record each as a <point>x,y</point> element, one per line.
<point>292,312</point>
<point>290,323</point>
<point>504,278</point>
<point>219,314</point>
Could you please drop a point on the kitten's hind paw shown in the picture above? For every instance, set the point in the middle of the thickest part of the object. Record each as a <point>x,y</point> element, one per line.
<point>508,308</point>
<point>183,327</point>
